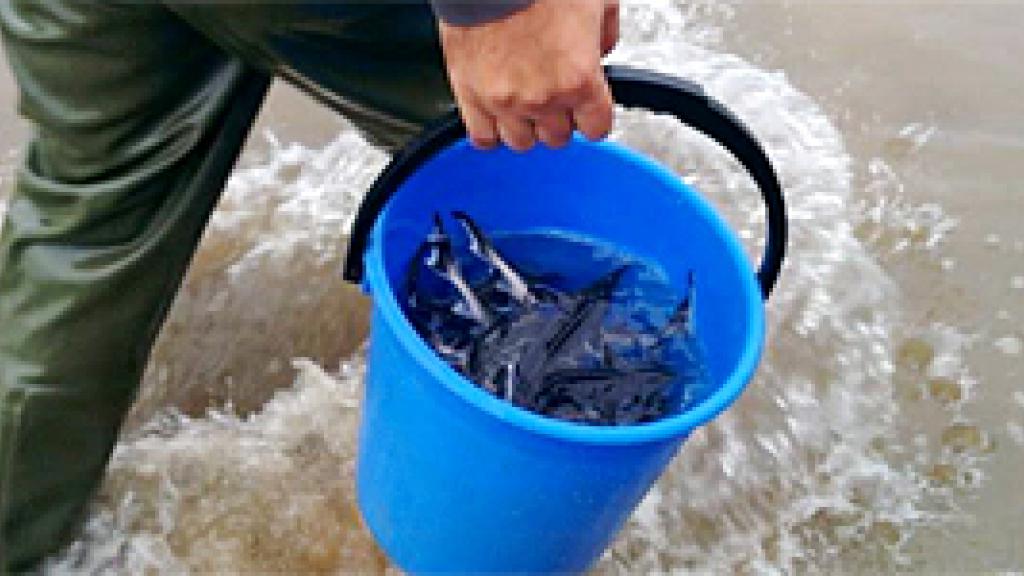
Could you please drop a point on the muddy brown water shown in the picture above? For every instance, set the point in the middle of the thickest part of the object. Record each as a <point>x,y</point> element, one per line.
<point>900,131</point>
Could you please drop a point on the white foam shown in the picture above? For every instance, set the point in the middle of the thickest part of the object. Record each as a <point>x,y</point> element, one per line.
<point>300,199</point>
<point>917,134</point>
<point>1009,345</point>
<point>890,222</point>
<point>788,477</point>
<point>271,493</point>
<point>825,388</point>
<point>1016,432</point>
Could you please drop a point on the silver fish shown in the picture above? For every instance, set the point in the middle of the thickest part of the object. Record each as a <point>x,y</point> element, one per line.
<point>440,259</point>
<point>482,247</point>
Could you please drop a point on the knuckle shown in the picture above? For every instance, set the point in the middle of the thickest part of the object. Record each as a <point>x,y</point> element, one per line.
<point>574,82</point>
<point>501,97</point>
<point>536,101</point>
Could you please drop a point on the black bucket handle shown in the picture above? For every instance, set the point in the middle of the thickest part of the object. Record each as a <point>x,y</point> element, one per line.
<point>632,88</point>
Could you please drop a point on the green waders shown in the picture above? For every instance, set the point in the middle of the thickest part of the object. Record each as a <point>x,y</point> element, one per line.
<point>140,111</point>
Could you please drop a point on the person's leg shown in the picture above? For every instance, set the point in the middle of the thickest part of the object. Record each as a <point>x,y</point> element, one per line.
<point>378,63</point>
<point>138,120</point>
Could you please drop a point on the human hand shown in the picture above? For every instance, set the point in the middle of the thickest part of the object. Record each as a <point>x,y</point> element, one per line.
<point>534,74</point>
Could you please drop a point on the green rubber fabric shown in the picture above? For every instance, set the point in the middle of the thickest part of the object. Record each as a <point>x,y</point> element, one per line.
<point>140,111</point>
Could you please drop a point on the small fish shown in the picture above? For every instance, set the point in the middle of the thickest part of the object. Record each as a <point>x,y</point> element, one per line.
<point>548,337</point>
<point>440,259</point>
<point>482,247</point>
<point>587,316</point>
<point>617,396</point>
<point>518,341</point>
<point>573,355</point>
<point>427,288</point>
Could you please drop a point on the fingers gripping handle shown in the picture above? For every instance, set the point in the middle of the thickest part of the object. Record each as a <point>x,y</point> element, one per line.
<point>632,88</point>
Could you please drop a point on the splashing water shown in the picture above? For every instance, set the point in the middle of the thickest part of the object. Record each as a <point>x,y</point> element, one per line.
<point>270,257</point>
<point>269,493</point>
<point>814,468</point>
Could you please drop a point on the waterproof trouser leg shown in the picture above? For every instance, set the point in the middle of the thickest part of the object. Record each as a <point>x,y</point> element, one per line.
<point>140,111</point>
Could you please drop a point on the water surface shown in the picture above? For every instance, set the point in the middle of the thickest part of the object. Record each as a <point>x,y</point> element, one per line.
<point>885,428</point>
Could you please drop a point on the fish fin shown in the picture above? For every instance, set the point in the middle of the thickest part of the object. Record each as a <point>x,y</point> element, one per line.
<point>604,286</point>
<point>593,297</point>
<point>682,317</point>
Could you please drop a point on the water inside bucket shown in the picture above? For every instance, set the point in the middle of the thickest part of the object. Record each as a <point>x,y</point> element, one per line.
<point>600,338</point>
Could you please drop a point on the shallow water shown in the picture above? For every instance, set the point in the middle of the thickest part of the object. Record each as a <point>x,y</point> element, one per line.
<point>885,429</point>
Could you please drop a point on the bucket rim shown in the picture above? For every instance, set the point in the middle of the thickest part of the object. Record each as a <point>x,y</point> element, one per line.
<point>665,429</point>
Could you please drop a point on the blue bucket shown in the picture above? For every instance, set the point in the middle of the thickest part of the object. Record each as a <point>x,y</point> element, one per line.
<point>453,479</point>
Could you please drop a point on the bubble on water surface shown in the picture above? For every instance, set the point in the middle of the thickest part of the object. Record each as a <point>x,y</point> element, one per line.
<point>1009,345</point>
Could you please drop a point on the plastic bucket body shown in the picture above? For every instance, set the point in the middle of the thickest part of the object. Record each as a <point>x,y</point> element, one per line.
<point>451,478</point>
